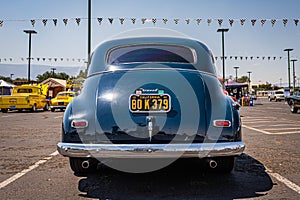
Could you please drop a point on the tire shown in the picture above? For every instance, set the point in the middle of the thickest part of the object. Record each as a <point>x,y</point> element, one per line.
<point>292,107</point>
<point>270,99</point>
<point>52,109</point>
<point>76,165</point>
<point>33,109</point>
<point>46,108</point>
<point>4,110</point>
<point>225,164</point>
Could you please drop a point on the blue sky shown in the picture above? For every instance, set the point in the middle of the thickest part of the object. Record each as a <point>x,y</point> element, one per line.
<point>71,41</point>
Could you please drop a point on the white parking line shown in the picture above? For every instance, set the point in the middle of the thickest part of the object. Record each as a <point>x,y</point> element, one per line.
<point>275,125</point>
<point>256,119</point>
<point>282,128</point>
<point>255,129</point>
<point>269,133</point>
<point>285,181</point>
<point>289,132</point>
<point>6,116</point>
<point>58,117</point>
<point>254,122</point>
<point>25,171</point>
<point>249,117</point>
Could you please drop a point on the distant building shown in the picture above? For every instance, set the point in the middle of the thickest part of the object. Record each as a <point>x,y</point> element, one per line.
<point>55,86</point>
<point>235,89</point>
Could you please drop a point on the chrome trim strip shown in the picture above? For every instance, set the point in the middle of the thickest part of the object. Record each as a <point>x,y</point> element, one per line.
<point>151,150</point>
<point>141,69</point>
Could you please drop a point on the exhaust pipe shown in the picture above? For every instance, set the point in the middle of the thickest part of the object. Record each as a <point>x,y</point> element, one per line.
<point>85,164</point>
<point>212,164</point>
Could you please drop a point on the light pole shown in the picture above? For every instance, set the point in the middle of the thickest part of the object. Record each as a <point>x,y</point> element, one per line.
<point>89,29</point>
<point>280,82</point>
<point>223,50</point>
<point>29,56</point>
<point>236,76</point>
<point>294,74</point>
<point>289,68</point>
<point>11,76</point>
<point>249,81</point>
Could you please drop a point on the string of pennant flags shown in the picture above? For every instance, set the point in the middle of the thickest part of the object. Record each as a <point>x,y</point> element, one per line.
<point>81,60</point>
<point>154,21</point>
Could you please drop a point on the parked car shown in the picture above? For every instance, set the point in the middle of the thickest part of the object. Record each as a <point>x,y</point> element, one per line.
<point>151,98</point>
<point>294,102</point>
<point>277,95</point>
<point>26,97</point>
<point>61,100</point>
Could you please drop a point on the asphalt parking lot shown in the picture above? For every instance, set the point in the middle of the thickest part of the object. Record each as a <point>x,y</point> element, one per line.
<point>30,167</point>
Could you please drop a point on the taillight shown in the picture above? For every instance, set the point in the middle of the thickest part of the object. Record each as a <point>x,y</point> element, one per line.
<point>79,124</point>
<point>222,123</point>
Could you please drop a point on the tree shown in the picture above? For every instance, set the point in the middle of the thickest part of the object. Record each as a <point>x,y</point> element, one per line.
<point>82,74</point>
<point>49,74</point>
<point>267,86</point>
<point>7,79</point>
<point>243,79</point>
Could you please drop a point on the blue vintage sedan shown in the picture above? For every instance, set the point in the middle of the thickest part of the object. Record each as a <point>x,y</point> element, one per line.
<point>148,101</point>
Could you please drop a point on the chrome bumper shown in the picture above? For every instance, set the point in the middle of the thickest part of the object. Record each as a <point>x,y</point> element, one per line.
<point>151,150</point>
<point>59,107</point>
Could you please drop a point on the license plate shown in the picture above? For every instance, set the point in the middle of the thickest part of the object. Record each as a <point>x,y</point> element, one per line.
<point>12,107</point>
<point>61,103</point>
<point>147,103</point>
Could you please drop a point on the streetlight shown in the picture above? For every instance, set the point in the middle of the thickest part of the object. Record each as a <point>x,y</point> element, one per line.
<point>223,51</point>
<point>11,76</point>
<point>280,81</point>
<point>294,75</point>
<point>289,68</point>
<point>236,77</point>
<point>249,81</point>
<point>89,29</point>
<point>29,57</point>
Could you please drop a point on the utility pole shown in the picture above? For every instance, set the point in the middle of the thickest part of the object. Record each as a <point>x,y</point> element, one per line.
<point>89,29</point>
<point>53,69</point>
<point>29,56</point>
<point>294,74</point>
<point>223,49</point>
<point>249,82</point>
<point>289,68</point>
<point>236,76</point>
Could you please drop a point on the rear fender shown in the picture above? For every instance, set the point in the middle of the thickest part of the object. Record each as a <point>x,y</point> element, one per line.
<point>81,108</point>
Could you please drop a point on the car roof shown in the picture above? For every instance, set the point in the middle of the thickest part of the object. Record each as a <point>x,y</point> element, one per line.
<point>204,56</point>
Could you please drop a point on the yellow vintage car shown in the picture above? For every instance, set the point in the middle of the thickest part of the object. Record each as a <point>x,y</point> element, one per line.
<point>25,97</point>
<point>61,100</point>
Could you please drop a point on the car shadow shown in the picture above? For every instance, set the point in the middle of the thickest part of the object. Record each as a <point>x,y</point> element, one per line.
<point>184,179</point>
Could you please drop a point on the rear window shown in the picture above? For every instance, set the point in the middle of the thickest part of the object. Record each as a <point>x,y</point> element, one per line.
<point>24,90</point>
<point>66,95</point>
<point>151,53</point>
